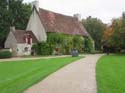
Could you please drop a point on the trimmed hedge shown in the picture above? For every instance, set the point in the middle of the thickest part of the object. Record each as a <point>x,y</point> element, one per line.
<point>5,54</point>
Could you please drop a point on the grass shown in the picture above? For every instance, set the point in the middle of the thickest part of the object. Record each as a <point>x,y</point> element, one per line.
<point>17,76</point>
<point>110,74</point>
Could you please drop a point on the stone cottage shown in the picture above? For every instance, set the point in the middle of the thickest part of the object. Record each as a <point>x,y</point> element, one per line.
<point>20,41</point>
<point>40,23</point>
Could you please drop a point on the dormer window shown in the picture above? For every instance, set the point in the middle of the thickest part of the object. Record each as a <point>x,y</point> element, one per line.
<point>28,39</point>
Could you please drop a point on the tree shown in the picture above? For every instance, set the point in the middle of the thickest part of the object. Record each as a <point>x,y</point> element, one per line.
<point>114,36</point>
<point>3,21</point>
<point>95,28</point>
<point>19,13</point>
<point>12,13</point>
<point>118,36</point>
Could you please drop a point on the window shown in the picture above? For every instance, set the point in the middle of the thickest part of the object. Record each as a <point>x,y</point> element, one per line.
<point>26,49</point>
<point>29,39</point>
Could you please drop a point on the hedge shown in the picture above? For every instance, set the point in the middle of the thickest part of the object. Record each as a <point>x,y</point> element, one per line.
<point>5,54</point>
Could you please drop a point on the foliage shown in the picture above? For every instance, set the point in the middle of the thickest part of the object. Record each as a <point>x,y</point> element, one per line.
<point>88,45</point>
<point>43,48</point>
<point>114,36</point>
<point>5,54</point>
<point>59,43</point>
<point>78,42</point>
<point>118,37</point>
<point>65,42</point>
<point>110,74</point>
<point>17,76</point>
<point>55,38</point>
<point>95,28</point>
<point>13,13</point>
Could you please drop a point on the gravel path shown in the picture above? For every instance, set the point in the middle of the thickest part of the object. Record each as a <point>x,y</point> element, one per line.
<point>30,58</point>
<point>77,77</point>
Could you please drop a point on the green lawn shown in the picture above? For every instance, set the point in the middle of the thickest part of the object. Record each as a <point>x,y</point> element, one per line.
<point>16,76</point>
<point>110,74</point>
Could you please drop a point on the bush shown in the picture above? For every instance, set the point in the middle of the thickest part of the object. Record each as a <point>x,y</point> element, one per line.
<point>88,45</point>
<point>43,48</point>
<point>5,54</point>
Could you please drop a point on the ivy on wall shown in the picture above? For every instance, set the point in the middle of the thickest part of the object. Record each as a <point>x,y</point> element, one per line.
<point>89,45</point>
<point>59,43</point>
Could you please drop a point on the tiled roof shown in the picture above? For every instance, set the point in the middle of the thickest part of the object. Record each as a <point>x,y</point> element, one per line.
<point>20,36</point>
<point>55,22</point>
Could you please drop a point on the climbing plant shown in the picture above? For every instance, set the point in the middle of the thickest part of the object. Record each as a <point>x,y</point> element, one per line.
<point>89,45</point>
<point>59,43</point>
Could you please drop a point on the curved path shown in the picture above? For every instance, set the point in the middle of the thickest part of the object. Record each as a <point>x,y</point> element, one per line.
<point>30,58</point>
<point>77,77</point>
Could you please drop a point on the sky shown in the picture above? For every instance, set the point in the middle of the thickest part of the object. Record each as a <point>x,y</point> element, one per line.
<point>106,10</point>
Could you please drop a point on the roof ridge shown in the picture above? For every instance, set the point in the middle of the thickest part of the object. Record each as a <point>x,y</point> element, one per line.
<point>56,22</point>
<point>57,13</point>
<point>19,35</point>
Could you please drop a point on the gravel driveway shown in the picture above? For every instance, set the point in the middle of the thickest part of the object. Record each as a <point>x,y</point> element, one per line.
<point>77,77</point>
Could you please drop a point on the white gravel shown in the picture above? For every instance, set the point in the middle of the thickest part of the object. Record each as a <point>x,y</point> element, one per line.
<point>77,77</point>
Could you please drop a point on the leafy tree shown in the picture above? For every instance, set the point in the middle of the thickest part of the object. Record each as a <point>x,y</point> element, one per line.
<point>4,21</point>
<point>107,36</point>
<point>118,37</point>
<point>12,13</point>
<point>19,13</point>
<point>114,36</point>
<point>95,28</point>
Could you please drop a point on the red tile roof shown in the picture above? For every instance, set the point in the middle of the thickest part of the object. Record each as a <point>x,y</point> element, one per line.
<point>55,22</point>
<point>20,36</point>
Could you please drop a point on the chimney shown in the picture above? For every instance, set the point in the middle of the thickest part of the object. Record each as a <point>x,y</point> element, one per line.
<point>77,16</point>
<point>36,4</point>
<point>12,28</point>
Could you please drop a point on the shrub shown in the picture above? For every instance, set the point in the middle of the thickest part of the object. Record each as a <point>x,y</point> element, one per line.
<point>88,45</point>
<point>5,54</point>
<point>43,48</point>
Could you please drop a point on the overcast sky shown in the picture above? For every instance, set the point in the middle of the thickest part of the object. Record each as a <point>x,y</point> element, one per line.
<point>102,9</point>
